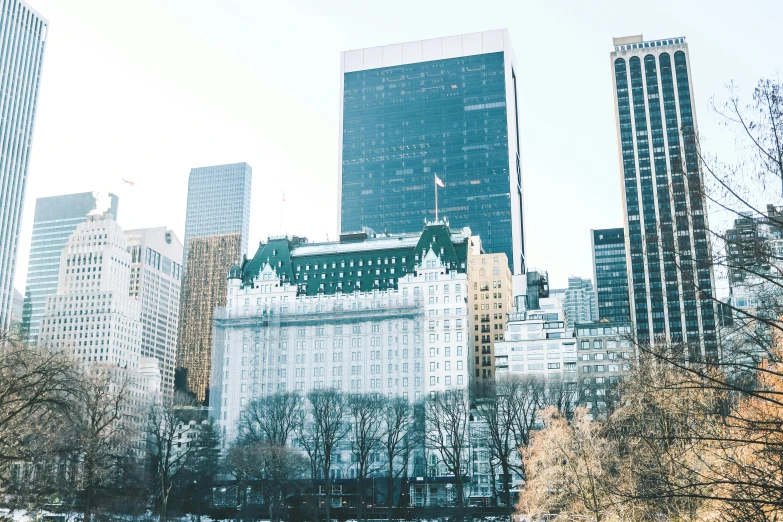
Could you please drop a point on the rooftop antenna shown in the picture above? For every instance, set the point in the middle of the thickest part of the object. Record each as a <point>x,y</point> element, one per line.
<point>281,214</point>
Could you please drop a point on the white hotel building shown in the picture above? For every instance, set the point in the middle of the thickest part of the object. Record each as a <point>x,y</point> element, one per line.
<point>385,315</point>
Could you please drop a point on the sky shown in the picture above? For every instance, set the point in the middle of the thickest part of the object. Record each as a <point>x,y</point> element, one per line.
<point>145,90</point>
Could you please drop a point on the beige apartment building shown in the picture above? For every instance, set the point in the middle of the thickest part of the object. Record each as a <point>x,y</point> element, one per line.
<point>490,300</point>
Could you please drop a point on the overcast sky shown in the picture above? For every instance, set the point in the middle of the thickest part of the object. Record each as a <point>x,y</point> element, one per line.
<point>146,90</point>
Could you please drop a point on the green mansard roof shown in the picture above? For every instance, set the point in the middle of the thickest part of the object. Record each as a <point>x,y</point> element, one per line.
<point>335,267</point>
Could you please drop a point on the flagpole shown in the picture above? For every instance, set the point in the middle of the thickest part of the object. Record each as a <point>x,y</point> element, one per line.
<point>436,200</point>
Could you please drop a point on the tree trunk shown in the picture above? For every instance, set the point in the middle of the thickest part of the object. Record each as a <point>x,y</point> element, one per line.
<point>88,496</point>
<point>506,484</point>
<point>163,506</point>
<point>360,497</point>
<point>390,490</point>
<point>328,488</point>
<point>88,505</point>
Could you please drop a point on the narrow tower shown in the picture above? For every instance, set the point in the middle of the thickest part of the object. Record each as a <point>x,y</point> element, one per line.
<point>668,252</point>
<point>21,58</point>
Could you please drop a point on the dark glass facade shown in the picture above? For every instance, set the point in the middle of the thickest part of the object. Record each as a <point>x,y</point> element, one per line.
<point>671,272</point>
<point>218,203</point>
<point>403,125</point>
<point>611,275</point>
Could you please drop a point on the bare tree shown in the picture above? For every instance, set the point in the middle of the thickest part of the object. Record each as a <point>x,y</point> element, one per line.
<point>509,407</point>
<point>365,414</point>
<point>330,420</point>
<point>38,389</point>
<point>169,454</point>
<point>447,415</point>
<point>103,433</point>
<point>567,472</point>
<point>277,470</point>
<point>237,462</point>
<point>308,437</point>
<point>203,468</point>
<point>750,363</point>
<point>400,435</point>
<point>562,395</point>
<point>272,418</point>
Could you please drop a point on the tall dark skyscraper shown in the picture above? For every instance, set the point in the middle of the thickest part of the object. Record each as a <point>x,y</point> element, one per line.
<point>610,272</point>
<point>445,107</point>
<point>670,269</point>
<point>55,219</point>
<point>216,231</point>
<point>22,48</point>
<point>218,203</point>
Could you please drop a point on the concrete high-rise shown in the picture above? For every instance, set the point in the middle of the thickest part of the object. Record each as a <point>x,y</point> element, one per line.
<point>55,219</point>
<point>156,276</point>
<point>218,203</point>
<point>669,257</point>
<point>490,300</point>
<point>92,318</point>
<point>445,107</point>
<point>610,271</point>
<point>203,289</point>
<point>579,302</point>
<point>22,48</point>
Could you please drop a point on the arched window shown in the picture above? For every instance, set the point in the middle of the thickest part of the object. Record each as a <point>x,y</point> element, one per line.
<point>481,272</point>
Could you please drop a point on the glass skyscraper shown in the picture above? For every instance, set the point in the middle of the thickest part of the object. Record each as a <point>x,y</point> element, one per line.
<point>22,43</point>
<point>56,218</point>
<point>218,203</point>
<point>670,270</point>
<point>610,272</point>
<point>445,107</point>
